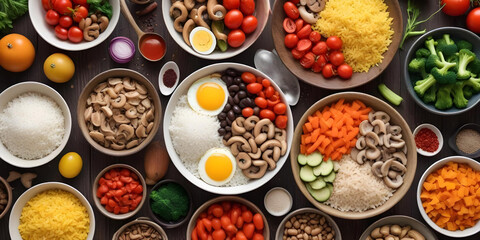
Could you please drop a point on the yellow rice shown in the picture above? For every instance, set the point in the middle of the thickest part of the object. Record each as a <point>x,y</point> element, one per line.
<point>54,215</point>
<point>364,27</point>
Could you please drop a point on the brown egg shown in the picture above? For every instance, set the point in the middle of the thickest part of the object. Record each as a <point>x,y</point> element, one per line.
<point>156,162</point>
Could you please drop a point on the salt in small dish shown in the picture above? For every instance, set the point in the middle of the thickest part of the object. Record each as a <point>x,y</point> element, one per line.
<point>166,88</point>
<point>453,144</point>
<point>437,133</point>
<point>278,201</point>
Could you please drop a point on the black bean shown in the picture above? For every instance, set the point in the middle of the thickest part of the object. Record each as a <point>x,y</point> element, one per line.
<point>227,107</point>
<point>242,86</point>
<point>246,102</point>
<point>230,100</point>
<point>229,122</point>
<point>231,115</point>
<point>232,93</point>
<point>222,131</point>
<point>236,99</point>
<point>228,128</point>
<point>229,80</point>
<point>222,116</point>
<point>237,80</point>
<point>242,105</point>
<point>237,109</point>
<point>256,111</point>
<point>223,123</point>
<point>234,88</point>
<point>224,78</point>
<point>251,102</point>
<point>242,94</point>
<point>232,72</point>
<point>227,136</point>
<point>250,95</point>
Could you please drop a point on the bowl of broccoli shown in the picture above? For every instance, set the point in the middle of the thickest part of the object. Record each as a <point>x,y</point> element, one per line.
<point>442,70</point>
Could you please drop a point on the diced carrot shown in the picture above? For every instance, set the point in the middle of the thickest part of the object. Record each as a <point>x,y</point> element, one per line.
<point>309,127</point>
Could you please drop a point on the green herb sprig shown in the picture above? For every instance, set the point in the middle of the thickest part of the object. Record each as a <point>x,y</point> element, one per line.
<point>100,6</point>
<point>11,10</point>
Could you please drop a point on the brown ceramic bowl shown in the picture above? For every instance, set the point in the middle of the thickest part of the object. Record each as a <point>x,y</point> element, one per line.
<point>204,207</point>
<point>316,79</point>
<point>8,190</point>
<point>102,77</point>
<point>377,105</point>
<point>140,220</point>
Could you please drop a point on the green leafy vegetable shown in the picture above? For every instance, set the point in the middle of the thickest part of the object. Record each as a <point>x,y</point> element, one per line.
<point>412,22</point>
<point>170,201</point>
<point>100,6</point>
<point>11,10</point>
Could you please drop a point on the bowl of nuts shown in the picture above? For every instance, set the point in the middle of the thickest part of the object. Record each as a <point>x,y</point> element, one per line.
<point>397,227</point>
<point>309,223</point>
<point>5,197</point>
<point>119,112</point>
<point>141,228</point>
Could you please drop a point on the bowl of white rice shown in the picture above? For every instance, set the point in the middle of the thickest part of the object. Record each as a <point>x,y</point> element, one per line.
<point>197,133</point>
<point>35,124</point>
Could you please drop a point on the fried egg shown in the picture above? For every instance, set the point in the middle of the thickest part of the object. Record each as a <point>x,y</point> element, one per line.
<point>217,166</point>
<point>208,95</point>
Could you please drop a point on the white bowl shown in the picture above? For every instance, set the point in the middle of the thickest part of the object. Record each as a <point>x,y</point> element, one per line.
<point>438,164</point>
<point>288,204</point>
<point>47,32</point>
<point>182,90</point>
<point>14,91</point>
<point>439,137</point>
<point>14,220</point>
<point>262,12</point>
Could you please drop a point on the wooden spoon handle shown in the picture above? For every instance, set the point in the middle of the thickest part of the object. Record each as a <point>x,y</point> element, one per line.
<point>128,15</point>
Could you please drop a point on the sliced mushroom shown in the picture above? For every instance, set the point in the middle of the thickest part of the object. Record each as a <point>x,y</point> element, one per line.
<point>132,94</point>
<point>365,127</point>
<point>116,146</point>
<point>257,170</point>
<point>114,81</point>
<point>215,11</point>
<point>88,114</point>
<point>196,15</point>
<point>97,136</point>
<point>119,101</point>
<point>120,118</point>
<point>354,152</point>
<point>316,5</point>
<point>386,166</point>
<point>270,144</point>
<point>187,29</point>
<point>376,169</point>
<point>105,128</point>
<point>399,167</point>
<point>244,144</point>
<point>127,130</point>
<point>85,23</point>
<point>237,126</point>
<point>267,156</point>
<point>91,32</point>
<point>255,155</point>
<point>392,174</point>
<point>307,16</point>
<point>259,127</point>
<point>253,144</point>
<point>250,122</point>
<point>382,116</point>
<point>107,111</point>
<point>261,138</point>
<point>381,126</point>
<point>103,23</point>
<point>96,119</point>
<point>400,156</point>
<point>360,144</point>
<point>361,157</point>
<point>132,143</point>
<point>189,4</point>
<point>394,130</point>
<point>393,183</point>
<point>99,88</point>
<point>277,153</point>
<point>128,84</point>
<point>372,153</point>
<point>141,131</point>
<point>371,139</point>
<point>397,144</point>
<point>179,13</point>
<point>243,160</point>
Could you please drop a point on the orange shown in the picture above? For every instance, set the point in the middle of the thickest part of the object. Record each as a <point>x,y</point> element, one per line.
<point>16,53</point>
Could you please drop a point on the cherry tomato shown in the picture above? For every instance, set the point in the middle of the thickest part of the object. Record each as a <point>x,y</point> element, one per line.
<point>307,60</point>
<point>61,32</point>
<point>236,38</point>
<point>62,6</point>
<point>345,71</point>
<point>336,58</point>
<point>305,31</point>
<point>52,17</point>
<point>319,63</point>
<point>280,108</point>
<point>258,236</point>
<point>65,21</point>
<point>248,77</point>
<point>327,71</point>
<point>473,20</point>
<point>80,13</point>
<point>315,36</point>
<point>231,4</point>
<point>269,92</point>
<point>247,112</point>
<point>289,25</point>
<point>254,88</point>
<point>75,34</point>
<point>304,45</point>
<point>261,102</point>
<point>455,7</point>
<point>291,10</point>
<point>81,2</point>
<point>219,234</point>
<point>47,5</point>
<point>297,54</point>
<point>247,7</point>
<point>281,121</point>
<point>334,43</point>
<point>258,221</point>
<point>265,113</point>
<point>291,40</point>
<point>240,236</point>
<point>265,83</point>
<point>320,48</point>
<point>249,24</point>
<point>249,229</point>
<point>216,224</point>
<point>247,216</point>
<point>233,19</point>
<point>299,24</point>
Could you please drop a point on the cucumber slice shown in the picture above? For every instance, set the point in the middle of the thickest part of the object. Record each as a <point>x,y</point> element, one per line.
<point>318,183</point>
<point>314,159</point>
<point>330,186</point>
<point>306,174</point>
<point>336,166</point>
<point>326,167</point>
<point>302,159</point>
<point>330,177</point>
<point>320,195</point>
<point>317,171</point>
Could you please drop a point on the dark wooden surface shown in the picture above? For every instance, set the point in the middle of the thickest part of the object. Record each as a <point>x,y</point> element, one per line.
<point>91,62</point>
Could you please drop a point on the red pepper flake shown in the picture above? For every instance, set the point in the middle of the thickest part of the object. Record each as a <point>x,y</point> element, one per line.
<point>169,78</point>
<point>426,140</point>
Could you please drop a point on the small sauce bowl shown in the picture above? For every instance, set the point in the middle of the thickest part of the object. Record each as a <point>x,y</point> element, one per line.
<point>285,204</point>
<point>439,137</point>
<point>453,145</point>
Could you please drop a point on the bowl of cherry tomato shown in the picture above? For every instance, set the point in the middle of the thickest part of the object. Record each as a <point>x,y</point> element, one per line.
<point>119,191</point>
<point>74,25</point>
<point>228,216</point>
<point>233,25</point>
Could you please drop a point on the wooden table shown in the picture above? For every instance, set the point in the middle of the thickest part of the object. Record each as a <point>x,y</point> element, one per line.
<point>93,61</point>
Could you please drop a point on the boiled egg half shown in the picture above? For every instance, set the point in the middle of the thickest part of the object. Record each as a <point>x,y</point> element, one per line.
<point>208,95</point>
<point>203,41</point>
<point>217,166</point>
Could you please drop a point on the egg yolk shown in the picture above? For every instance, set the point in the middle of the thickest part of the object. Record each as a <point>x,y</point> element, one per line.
<point>202,41</point>
<point>218,167</point>
<point>210,96</point>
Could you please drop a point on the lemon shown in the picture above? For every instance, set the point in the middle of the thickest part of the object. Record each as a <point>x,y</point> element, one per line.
<point>70,165</point>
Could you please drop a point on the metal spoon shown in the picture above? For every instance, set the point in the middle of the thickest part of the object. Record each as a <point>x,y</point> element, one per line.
<point>142,36</point>
<point>270,64</point>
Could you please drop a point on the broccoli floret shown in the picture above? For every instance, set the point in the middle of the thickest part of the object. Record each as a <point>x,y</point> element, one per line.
<point>447,46</point>
<point>170,202</point>
<point>430,44</point>
<point>442,73</point>
<point>462,44</point>
<point>464,58</point>
<point>474,67</point>
<point>422,53</point>
<point>444,100</point>
<point>417,65</point>
<point>423,85</point>
<point>468,91</point>
<point>474,83</point>
<point>458,98</point>
<point>431,94</point>
<point>432,61</point>
<point>454,59</point>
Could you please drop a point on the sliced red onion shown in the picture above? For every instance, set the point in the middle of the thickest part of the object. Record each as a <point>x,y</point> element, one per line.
<point>122,49</point>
